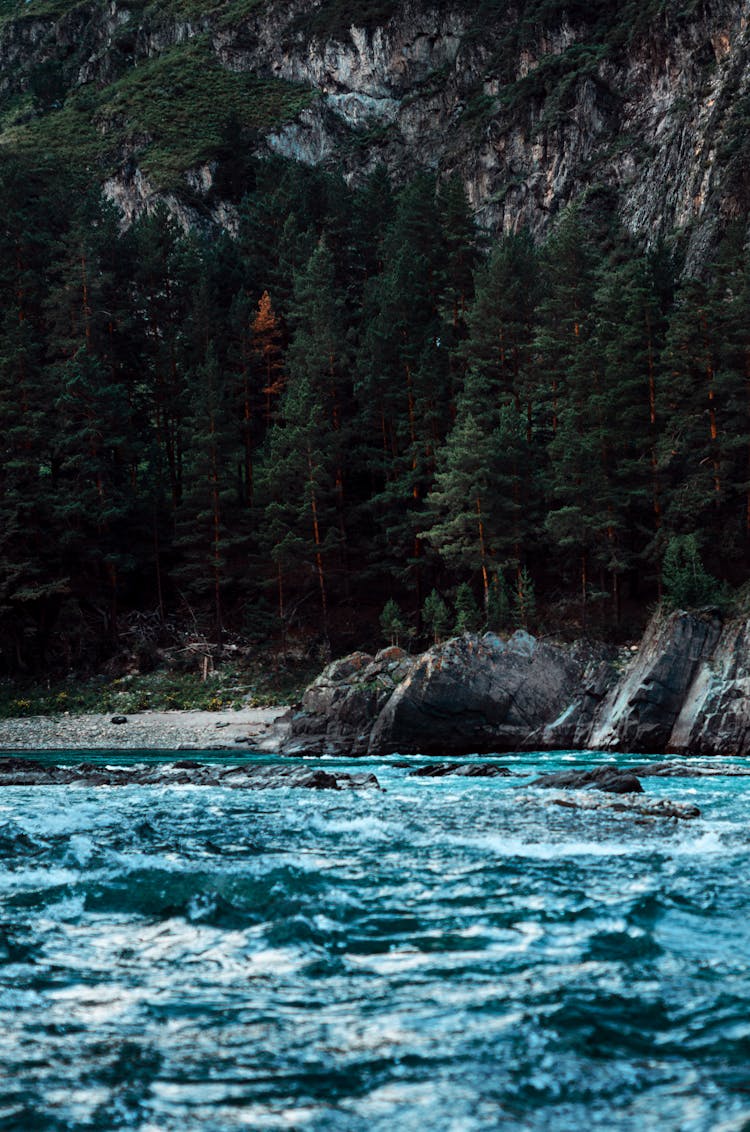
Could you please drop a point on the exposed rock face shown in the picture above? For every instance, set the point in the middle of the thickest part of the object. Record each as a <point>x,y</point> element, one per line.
<point>641,710</point>
<point>647,121</point>
<point>340,707</point>
<point>686,689</point>
<point>652,112</point>
<point>714,718</point>
<point>477,694</point>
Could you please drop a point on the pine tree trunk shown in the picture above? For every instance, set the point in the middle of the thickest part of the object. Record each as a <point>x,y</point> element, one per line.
<point>317,541</point>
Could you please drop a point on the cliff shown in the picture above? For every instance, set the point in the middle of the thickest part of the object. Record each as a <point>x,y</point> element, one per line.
<point>529,104</point>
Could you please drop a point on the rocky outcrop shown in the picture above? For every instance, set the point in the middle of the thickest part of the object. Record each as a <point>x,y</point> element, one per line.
<point>471,694</point>
<point>714,717</point>
<point>641,710</point>
<point>339,709</point>
<point>610,778</point>
<point>477,694</point>
<point>629,806</point>
<point>461,770</point>
<point>685,689</point>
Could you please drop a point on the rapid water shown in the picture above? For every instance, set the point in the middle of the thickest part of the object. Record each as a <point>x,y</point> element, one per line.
<point>441,957</point>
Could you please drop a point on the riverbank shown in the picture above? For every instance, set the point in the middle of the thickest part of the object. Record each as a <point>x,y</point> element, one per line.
<point>152,730</point>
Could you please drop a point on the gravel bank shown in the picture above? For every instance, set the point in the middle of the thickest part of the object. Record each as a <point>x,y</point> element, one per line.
<point>160,730</point>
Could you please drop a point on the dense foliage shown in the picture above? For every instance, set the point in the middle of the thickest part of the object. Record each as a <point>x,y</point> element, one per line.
<point>353,402</point>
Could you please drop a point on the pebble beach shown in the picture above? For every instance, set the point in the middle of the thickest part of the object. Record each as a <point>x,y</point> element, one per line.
<point>148,730</point>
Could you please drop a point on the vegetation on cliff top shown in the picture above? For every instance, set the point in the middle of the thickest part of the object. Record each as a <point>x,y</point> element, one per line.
<point>172,112</point>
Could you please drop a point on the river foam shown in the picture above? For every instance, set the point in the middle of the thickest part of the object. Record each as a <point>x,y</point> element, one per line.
<point>440,955</point>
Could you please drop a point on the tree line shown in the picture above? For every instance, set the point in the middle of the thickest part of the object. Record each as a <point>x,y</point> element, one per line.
<point>357,400</point>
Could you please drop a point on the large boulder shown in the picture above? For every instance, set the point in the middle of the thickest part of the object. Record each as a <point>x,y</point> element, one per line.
<point>339,708</point>
<point>478,694</point>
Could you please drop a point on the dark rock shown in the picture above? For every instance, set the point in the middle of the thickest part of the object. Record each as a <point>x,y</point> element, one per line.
<point>640,809</point>
<point>477,694</point>
<point>119,719</point>
<point>691,769</point>
<point>340,707</point>
<point>686,688</point>
<point>640,712</point>
<point>608,778</point>
<point>461,770</point>
<point>27,772</point>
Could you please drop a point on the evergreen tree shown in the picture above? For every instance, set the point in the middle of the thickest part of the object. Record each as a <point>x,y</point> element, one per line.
<point>498,609</point>
<point>392,622</point>
<point>297,525</point>
<point>468,617</point>
<point>436,616</point>
<point>524,600</point>
<point>685,580</point>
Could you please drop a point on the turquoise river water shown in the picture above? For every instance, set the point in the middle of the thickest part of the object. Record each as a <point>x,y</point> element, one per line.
<point>443,956</point>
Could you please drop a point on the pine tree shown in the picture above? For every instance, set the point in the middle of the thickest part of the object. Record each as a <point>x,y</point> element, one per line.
<point>524,600</point>
<point>686,582</point>
<point>468,617</point>
<point>436,616</point>
<point>298,529</point>
<point>392,622</point>
<point>209,529</point>
<point>498,609</point>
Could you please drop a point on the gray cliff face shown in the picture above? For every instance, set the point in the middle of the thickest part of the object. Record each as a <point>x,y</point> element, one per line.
<point>477,694</point>
<point>648,124</point>
<point>642,707</point>
<point>684,690</point>
<point>654,119</point>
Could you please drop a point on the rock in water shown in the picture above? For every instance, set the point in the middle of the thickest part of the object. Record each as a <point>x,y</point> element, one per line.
<point>461,770</point>
<point>28,772</point>
<point>608,778</point>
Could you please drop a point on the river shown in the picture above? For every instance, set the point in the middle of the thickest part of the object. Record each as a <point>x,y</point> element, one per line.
<point>449,955</point>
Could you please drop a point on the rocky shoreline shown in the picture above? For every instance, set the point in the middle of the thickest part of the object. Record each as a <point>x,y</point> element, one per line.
<point>684,690</point>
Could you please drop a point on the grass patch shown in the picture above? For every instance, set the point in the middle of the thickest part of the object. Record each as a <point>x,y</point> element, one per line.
<point>11,10</point>
<point>172,110</point>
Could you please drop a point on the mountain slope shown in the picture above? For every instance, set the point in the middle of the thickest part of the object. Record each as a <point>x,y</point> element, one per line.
<point>530,103</point>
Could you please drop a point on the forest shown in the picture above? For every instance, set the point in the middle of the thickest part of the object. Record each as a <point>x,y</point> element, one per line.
<point>358,417</point>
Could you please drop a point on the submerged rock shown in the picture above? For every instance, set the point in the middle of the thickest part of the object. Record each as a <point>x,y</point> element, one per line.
<point>609,778</point>
<point>637,807</point>
<point>691,769</point>
<point>461,770</point>
<point>28,772</point>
